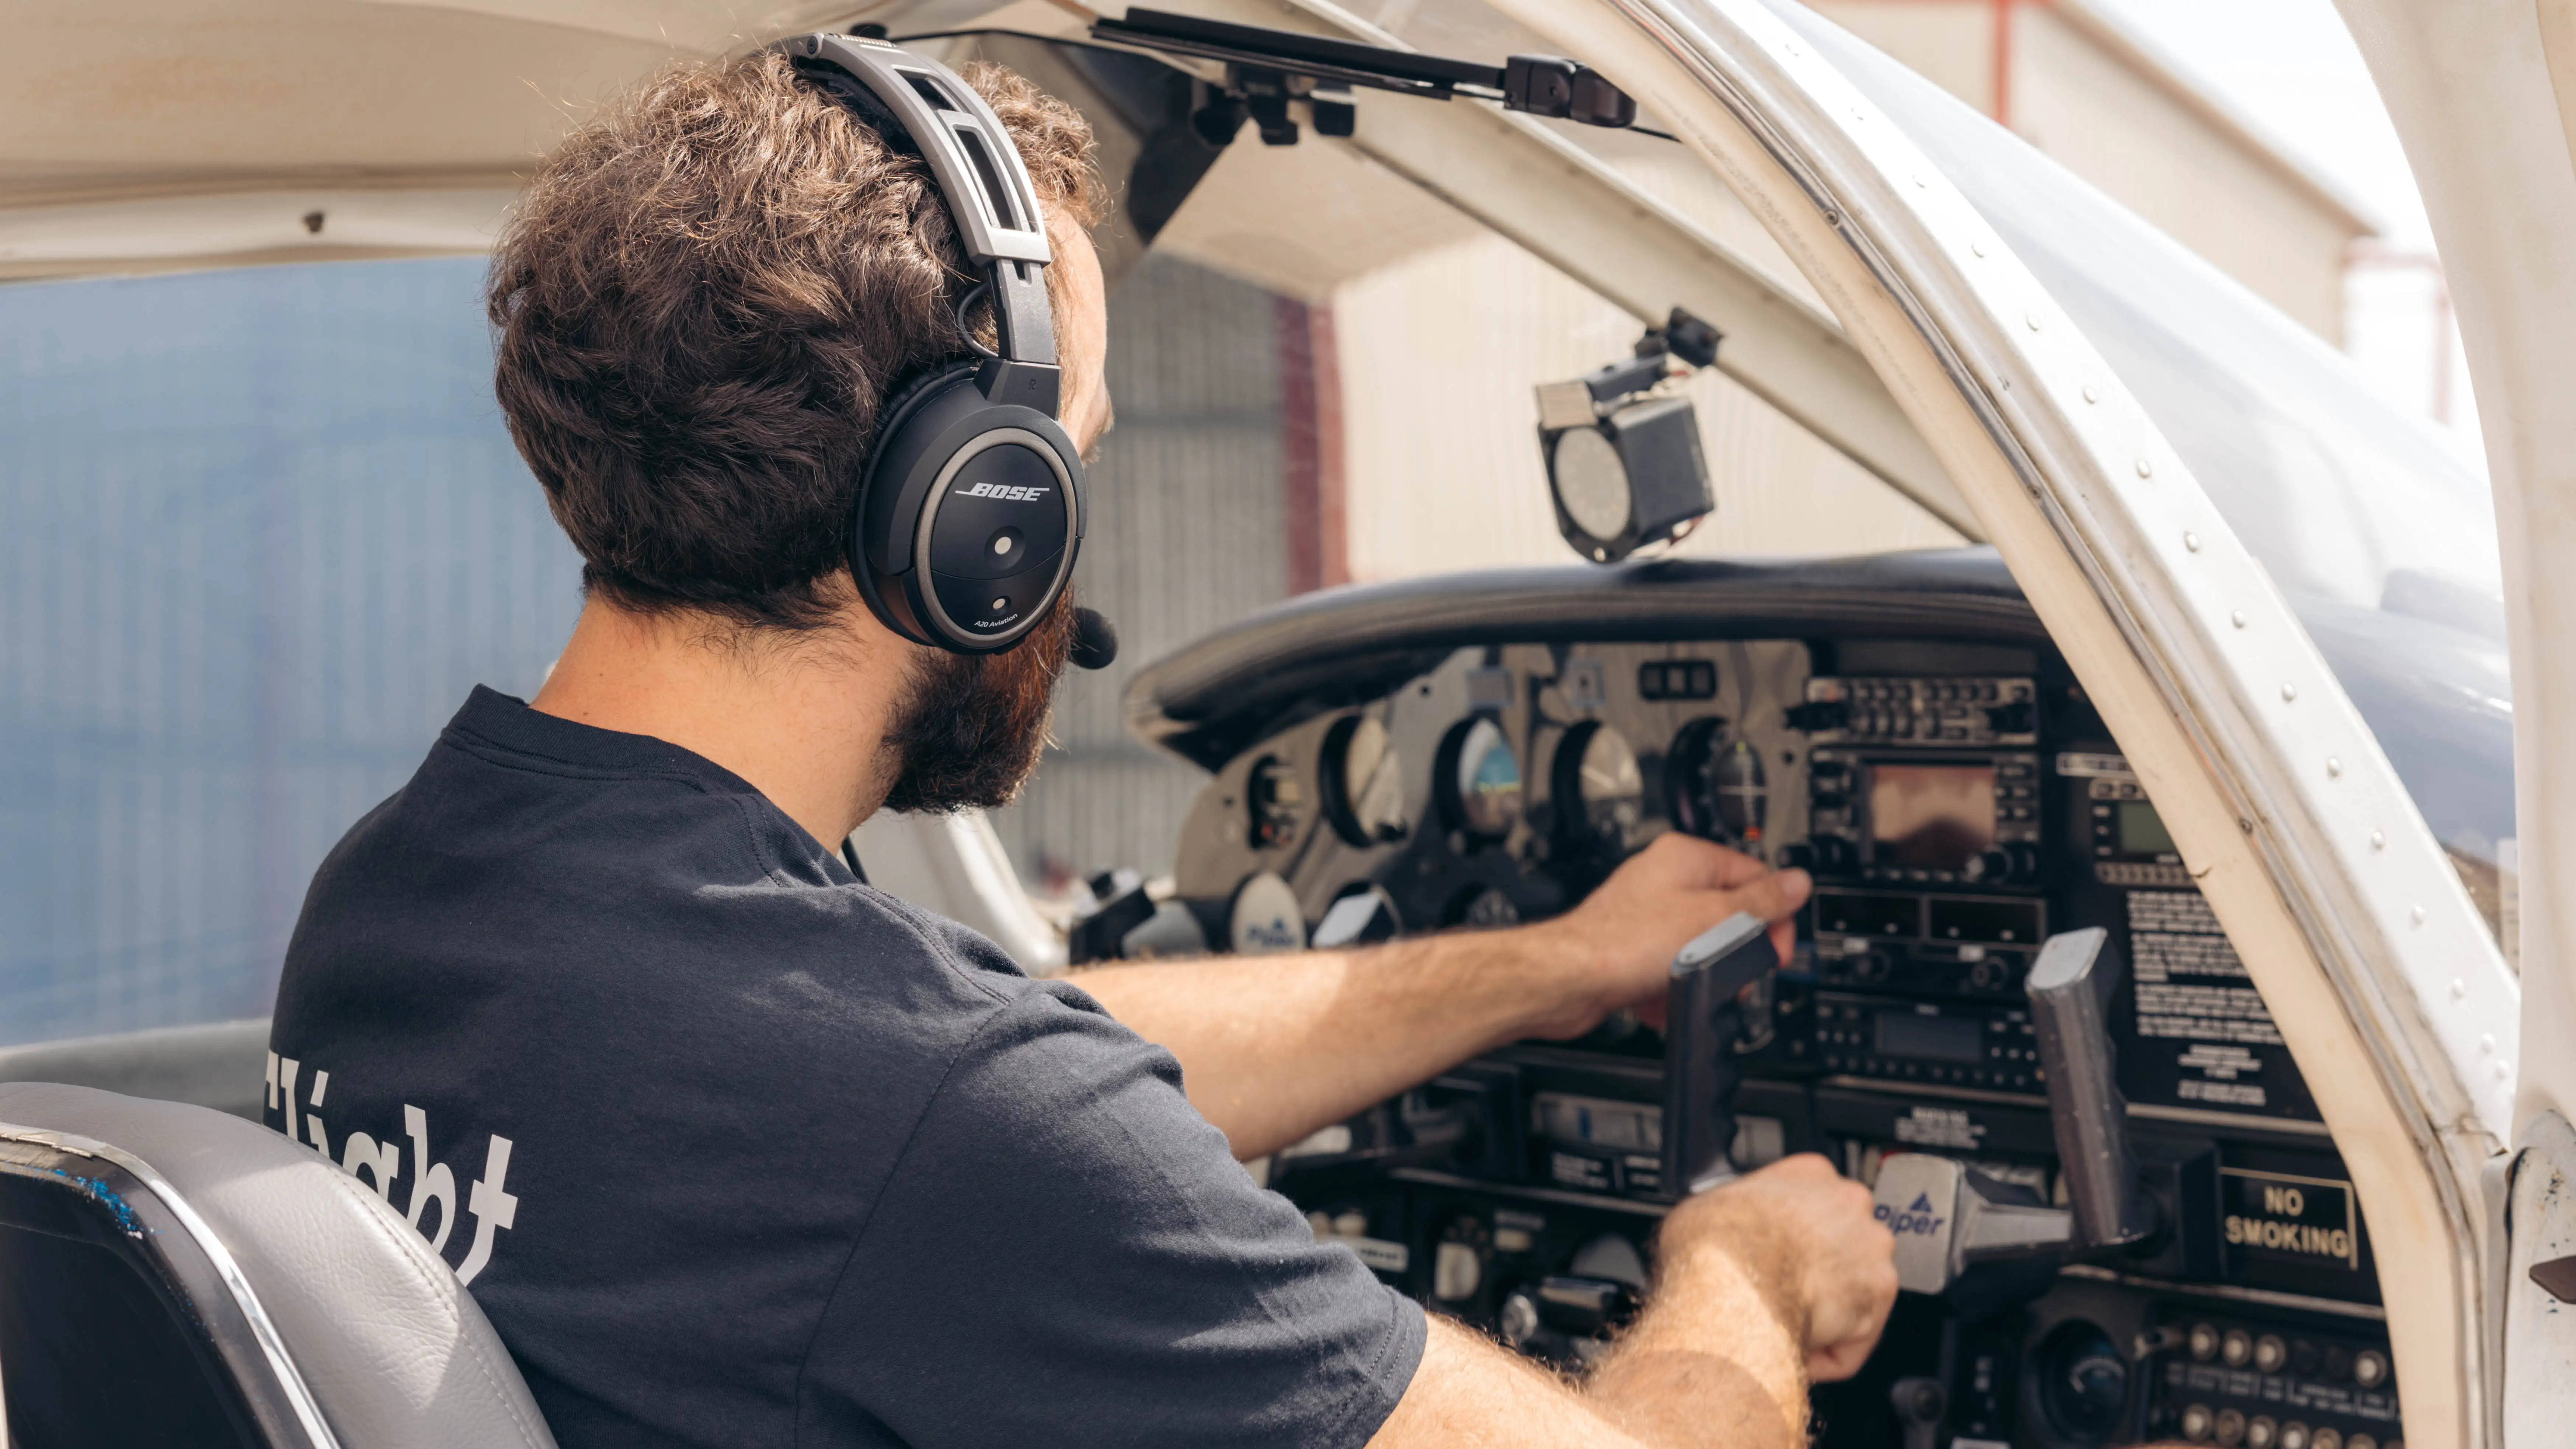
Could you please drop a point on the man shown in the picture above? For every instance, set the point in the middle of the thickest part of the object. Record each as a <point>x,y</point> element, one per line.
<point>733,1149</point>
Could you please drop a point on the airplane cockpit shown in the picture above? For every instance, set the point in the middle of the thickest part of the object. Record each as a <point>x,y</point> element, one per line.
<point>2015,1007</point>
<point>1914,730</point>
<point>1481,752</point>
<point>2158,973</point>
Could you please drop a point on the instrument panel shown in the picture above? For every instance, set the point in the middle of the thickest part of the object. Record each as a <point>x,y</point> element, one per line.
<point>1958,802</point>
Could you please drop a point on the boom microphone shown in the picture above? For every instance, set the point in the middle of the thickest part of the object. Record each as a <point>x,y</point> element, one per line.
<point>1095,639</point>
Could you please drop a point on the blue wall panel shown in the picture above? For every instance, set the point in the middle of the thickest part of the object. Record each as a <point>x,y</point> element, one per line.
<point>260,532</point>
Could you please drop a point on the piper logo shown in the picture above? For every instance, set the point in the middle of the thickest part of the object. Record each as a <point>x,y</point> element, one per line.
<point>1918,1218</point>
<point>1005,491</point>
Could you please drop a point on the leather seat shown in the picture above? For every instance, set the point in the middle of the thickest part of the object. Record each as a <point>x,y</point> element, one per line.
<point>173,1275</point>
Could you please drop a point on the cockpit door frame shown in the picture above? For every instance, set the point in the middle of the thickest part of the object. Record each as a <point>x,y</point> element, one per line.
<point>2312,854</point>
<point>2484,99</point>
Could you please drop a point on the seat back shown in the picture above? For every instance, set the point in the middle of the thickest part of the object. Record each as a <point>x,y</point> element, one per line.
<point>173,1275</point>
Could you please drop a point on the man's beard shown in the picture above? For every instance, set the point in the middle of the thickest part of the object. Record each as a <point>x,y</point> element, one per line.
<point>970,726</point>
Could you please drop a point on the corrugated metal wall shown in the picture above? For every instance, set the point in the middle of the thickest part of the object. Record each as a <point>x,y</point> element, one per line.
<point>1188,533</point>
<point>260,532</point>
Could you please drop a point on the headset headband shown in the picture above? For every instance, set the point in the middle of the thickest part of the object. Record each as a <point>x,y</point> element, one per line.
<point>981,179</point>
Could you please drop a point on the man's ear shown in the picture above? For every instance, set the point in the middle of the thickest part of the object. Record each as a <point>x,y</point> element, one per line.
<point>1080,298</point>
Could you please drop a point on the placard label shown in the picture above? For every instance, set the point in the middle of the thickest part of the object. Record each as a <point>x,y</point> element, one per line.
<point>2301,1219</point>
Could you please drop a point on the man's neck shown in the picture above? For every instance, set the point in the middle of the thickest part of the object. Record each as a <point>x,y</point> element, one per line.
<point>803,721</point>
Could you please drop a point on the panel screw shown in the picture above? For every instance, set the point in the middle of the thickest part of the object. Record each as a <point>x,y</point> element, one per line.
<point>2237,618</point>
<point>2191,541</point>
<point>2334,768</point>
<point>2289,692</point>
<point>2378,841</point>
<point>2146,469</point>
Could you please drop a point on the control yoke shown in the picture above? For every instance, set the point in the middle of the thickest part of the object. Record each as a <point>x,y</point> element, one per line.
<point>1949,1217</point>
<point>2070,994</point>
<point>1703,1018</point>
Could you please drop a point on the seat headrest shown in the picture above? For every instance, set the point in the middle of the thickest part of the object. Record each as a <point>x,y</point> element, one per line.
<point>386,1343</point>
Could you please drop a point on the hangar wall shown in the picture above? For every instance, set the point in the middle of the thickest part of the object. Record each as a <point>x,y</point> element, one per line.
<point>1190,530</point>
<point>2073,82</point>
<point>264,532</point>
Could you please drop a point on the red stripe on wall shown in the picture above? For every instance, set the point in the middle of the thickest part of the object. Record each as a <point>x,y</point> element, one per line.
<point>2003,60</point>
<point>1310,437</point>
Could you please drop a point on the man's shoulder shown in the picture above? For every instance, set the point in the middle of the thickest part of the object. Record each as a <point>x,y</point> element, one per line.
<point>503,881</point>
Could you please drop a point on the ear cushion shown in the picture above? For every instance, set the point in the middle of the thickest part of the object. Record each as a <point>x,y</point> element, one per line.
<point>907,399</point>
<point>900,407</point>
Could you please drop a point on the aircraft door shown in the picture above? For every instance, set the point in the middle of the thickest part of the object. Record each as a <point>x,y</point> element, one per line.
<point>2089,392</point>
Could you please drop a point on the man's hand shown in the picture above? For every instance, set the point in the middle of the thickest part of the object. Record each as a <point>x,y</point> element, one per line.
<point>1618,946</point>
<point>1812,1239</point>
<point>1277,1046</point>
<point>1760,1286</point>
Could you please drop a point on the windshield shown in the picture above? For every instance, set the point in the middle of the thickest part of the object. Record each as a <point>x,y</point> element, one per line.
<point>2382,539</point>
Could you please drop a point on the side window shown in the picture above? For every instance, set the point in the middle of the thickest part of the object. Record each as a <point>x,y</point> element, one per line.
<point>260,533</point>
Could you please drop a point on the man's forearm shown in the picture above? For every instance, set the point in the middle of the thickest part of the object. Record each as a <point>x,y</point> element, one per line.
<point>1274,1047</point>
<point>1715,1345</point>
<point>1711,1362</point>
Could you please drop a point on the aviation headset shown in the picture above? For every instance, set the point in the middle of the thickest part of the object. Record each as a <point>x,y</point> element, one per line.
<point>970,506</point>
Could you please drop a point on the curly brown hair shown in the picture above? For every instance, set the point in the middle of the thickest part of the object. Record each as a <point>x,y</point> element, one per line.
<point>701,303</point>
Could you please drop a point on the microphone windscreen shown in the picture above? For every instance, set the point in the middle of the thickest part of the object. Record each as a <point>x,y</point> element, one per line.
<point>1095,639</point>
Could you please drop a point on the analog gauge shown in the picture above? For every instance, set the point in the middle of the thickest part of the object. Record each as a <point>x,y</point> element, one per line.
<point>1265,917</point>
<point>1363,782</point>
<point>1716,787</point>
<point>1277,798</point>
<point>1483,906</point>
<point>1479,779</point>
<point>1600,793</point>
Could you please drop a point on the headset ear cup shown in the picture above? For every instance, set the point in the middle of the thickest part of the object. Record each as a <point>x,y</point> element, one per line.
<point>901,407</point>
<point>952,473</point>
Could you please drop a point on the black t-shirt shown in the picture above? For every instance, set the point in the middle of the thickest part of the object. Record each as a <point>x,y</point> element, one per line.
<point>734,1150</point>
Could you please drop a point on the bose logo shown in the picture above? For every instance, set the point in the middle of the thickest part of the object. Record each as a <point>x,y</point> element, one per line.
<point>1004,491</point>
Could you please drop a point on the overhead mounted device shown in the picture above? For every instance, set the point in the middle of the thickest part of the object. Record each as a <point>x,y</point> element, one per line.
<point>1621,443</point>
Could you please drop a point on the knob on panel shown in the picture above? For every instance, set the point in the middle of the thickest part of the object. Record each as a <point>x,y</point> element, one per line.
<point>1715,788</point>
<point>2013,862</point>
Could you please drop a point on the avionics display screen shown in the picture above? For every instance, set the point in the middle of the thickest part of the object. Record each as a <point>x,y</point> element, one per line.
<point>1929,1038</point>
<point>1930,817</point>
<point>2142,832</point>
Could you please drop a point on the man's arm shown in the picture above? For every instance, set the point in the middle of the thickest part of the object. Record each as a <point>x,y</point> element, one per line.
<point>1758,1286</point>
<point>1273,1047</point>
